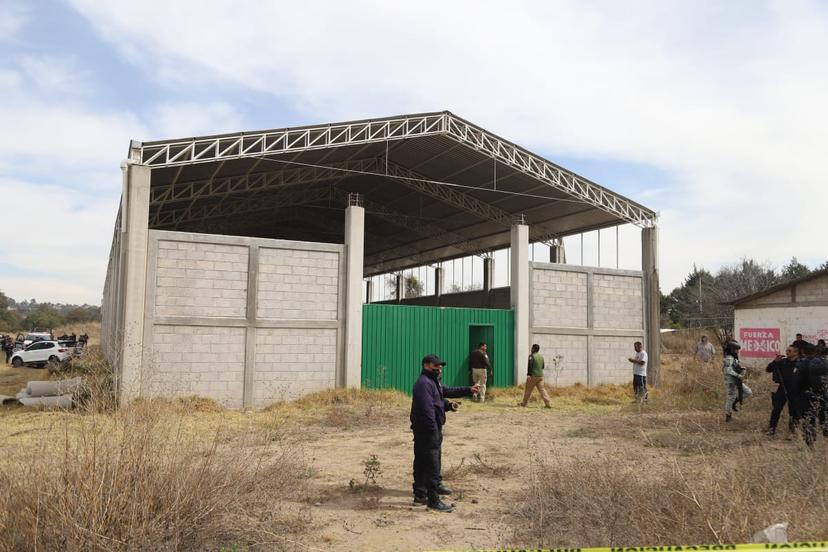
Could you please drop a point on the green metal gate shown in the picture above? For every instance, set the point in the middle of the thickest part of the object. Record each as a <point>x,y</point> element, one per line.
<point>396,337</point>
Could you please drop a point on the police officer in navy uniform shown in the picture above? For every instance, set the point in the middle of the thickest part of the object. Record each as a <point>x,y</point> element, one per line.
<point>783,368</point>
<point>429,404</point>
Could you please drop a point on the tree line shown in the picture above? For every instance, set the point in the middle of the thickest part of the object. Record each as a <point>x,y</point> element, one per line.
<point>699,302</point>
<point>27,314</point>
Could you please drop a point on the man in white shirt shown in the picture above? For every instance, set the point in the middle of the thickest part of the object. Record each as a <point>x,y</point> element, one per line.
<point>639,362</point>
<point>704,350</point>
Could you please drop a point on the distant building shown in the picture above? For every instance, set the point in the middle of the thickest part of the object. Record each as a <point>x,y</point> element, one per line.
<point>765,322</point>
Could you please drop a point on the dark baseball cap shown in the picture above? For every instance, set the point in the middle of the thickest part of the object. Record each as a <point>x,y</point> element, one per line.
<point>433,359</point>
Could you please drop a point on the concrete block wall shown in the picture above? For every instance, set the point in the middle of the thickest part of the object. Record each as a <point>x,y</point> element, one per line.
<point>777,297</point>
<point>110,301</point>
<point>245,321</point>
<point>591,316</point>
<point>815,290</point>
<point>559,298</point>
<point>201,279</point>
<point>293,362</point>
<point>296,284</point>
<point>617,302</point>
<point>609,359</point>
<point>573,348</point>
<point>197,360</point>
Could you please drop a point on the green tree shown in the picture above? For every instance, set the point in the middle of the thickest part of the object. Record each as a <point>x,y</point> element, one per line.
<point>44,316</point>
<point>413,286</point>
<point>794,270</point>
<point>8,319</point>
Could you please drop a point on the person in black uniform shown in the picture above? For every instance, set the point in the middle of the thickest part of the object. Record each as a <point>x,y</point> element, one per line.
<point>813,379</point>
<point>8,347</point>
<point>429,404</point>
<point>782,369</point>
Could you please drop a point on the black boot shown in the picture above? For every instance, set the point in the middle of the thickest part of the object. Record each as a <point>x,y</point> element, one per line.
<point>441,506</point>
<point>443,490</point>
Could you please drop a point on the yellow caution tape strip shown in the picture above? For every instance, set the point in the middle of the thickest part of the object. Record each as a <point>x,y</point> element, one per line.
<point>793,546</point>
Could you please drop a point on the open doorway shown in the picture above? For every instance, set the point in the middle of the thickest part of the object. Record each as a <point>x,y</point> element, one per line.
<point>482,334</point>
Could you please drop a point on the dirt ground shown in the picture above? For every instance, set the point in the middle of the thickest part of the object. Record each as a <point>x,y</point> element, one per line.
<point>488,453</point>
<point>492,442</point>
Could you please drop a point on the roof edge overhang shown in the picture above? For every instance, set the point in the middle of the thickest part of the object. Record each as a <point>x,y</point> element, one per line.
<point>778,287</point>
<point>263,144</point>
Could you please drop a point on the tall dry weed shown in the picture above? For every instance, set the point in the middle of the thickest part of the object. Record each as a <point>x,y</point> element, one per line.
<point>143,477</point>
<point>609,500</point>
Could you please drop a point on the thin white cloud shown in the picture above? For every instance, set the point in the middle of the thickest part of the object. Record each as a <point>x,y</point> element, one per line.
<point>13,16</point>
<point>728,98</point>
<point>55,240</point>
<point>60,176</point>
<point>56,76</point>
<point>180,120</point>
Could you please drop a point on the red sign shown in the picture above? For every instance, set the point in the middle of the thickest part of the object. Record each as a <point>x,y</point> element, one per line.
<point>759,342</point>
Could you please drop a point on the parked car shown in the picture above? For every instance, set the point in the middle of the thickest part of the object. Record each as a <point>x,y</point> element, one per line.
<point>41,353</point>
<point>24,340</point>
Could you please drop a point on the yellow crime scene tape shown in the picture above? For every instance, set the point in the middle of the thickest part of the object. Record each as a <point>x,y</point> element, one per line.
<point>798,546</point>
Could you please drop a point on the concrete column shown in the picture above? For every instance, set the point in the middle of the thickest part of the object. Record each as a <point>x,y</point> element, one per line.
<point>134,244</point>
<point>519,296</point>
<point>557,254</point>
<point>439,276</point>
<point>354,260</point>
<point>400,288</point>
<point>488,273</point>
<point>652,302</point>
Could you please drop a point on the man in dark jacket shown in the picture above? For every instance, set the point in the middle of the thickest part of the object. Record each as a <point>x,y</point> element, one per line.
<point>782,369</point>
<point>812,386</point>
<point>429,404</point>
<point>481,369</point>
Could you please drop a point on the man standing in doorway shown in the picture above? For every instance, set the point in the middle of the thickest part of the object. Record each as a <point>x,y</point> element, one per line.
<point>481,368</point>
<point>704,350</point>
<point>429,404</point>
<point>639,363</point>
<point>534,377</point>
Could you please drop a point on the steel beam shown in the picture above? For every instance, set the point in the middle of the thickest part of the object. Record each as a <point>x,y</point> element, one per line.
<point>262,144</point>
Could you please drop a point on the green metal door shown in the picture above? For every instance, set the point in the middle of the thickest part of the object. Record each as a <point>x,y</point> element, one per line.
<point>396,337</point>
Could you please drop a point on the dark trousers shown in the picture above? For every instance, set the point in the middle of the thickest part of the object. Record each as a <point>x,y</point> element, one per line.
<point>8,355</point>
<point>778,399</point>
<point>813,414</point>
<point>640,386</point>
<point>428,448</point>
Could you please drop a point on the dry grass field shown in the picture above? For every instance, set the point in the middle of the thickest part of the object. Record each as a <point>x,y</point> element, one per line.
<point>332,471</point>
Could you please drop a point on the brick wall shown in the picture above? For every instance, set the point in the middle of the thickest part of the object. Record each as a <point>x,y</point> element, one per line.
<point>295,284</point>
<point>618,302</point>
<point>559,298</point>
<point>562,324</point>
<point>573,349</point>
<point>191,360</point>
<point>293,362</point>
<point>610,354</point>
<point>781,296</point>
<point>201,279</point>
<point>199,338</point>
<point>812,290</point>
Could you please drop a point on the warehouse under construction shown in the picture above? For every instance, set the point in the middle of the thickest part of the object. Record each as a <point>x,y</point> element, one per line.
<point>242,264</point>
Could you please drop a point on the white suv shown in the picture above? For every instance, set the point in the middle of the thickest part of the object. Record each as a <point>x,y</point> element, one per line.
<point>41,352</point>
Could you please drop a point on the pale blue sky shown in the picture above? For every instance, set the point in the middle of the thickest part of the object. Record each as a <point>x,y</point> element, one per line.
<point>711,113</point>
